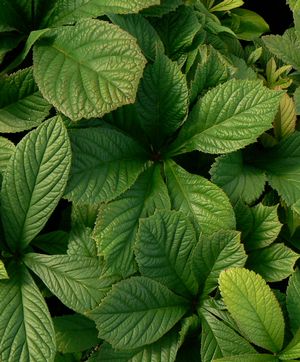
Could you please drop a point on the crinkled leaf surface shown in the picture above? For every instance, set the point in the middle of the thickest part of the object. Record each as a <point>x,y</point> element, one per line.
<point>88,69</point>
<point>254,307</point>
<point>7,148</point>
<point>136,312</point>
<point>22,106</point>
<point>105,164</point>
<point>292,301</point>
<point>26,329</point>
<point>34,182</point>
<point>229,117</point>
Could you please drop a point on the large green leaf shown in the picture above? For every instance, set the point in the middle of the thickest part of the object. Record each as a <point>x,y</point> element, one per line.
<point>227,118</point>
<point>7,148</point>
<point>292,350</point>
<point>34,182</point>
<point>285,121</point>
<point>21,105</point>
<point>75,280</point>
<point>26,329</point>
<point>117,223</point>
<point>81,242</point>
<point>199,199</point>
<point>137,311</point>
<point>292,301</point>
<point>163,251</point>
<point>88,69</point>
<point>16,14</point>
<point>237,179</point>
<point>249,358</point>
<point>254,307</point>
<point>214,253</point>
<point>166,6</point>
<point>274,263</point>
<point>105,170</point>
<point>162,100</point>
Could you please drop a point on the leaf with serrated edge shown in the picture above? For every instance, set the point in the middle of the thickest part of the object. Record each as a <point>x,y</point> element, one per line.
<point>254,307</point>
<point>274,263</point>
<point>7,148</point>
<point>105,164</point>
<point>137,311</point>
<point>34,182</point>
<point>75,280</point>
<point>199,199</point>
<point>88,69</point>
<point>163,250</point>
<point>229,117</point>
<point>292,301</point>
<point>26,329</point>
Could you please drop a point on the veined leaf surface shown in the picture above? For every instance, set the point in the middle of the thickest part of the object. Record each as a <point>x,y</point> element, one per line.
<point>7,148</point>
<point>292,301</point>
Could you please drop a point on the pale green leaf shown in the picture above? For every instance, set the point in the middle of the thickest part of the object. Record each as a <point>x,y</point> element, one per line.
<point>3,272</point>
<point>292,301</point>
<point>81,242</point>
<point>26,329</point>
<point>98,61</point>
<point>74,333</point>
<point>254,307</point>
<point>227,5</point>
<point>163,251</point>
<point>214,253</point>
<point>117,223</point>
<point>34,182</point>
<point>249,358</point>
<point>285,121</point>
<point>292,350</point>
<point>21,105</point>
<point>75,280</point>
<point>199,199</point>
<point>7,148</point>
<point>274,263</point>
<point>239,180</point>
<point>229,117</point>
<point>137,311</point>
<point>105,170</point>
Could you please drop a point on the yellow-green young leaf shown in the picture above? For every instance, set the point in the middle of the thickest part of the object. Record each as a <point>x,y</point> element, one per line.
<point>34,182</point>
<point>254,307</point>
<point>292,350</point>
<point>7,148</point>
<point>285,120</point>
<point>22,106</point>
<point>292,301</point>
<point>3,272</point>
<point>136,312</point>
<point>229,117</point>
<point>88,69</point>
<point>249,358</point>
<point>26,329</point>
<point>227,5</point>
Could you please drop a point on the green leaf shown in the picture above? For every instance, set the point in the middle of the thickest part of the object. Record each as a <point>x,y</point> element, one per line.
<point>75,280</point>
<point>84,215</point>
<point>165,7</point>
<point>239,180</point>
<point>227,5</point>
<point>118,221</point>
<point>228,118</point>
<point>54,242</point>
<point>26,329</point>
<point>139,27</point>
<point>7,149</point>
<point>274,263</point>
<point>292,301</point>
<point>16,14</point>
<point>202,201</point>
<point>97,59</point>
<point>137,311</point>
<point>292,350</point>
<point>214,253</point>
<point>62,12</point>
<point>3,272</point>
<point>163,251</point>
<point>285,121</point>
<point>162,99</point>
<point>105,170</point>
<point>219,340</point>
<point>8,42</point>
<point>297,100</point>
<point>21,105</point>
<point>34,182</point>
<point>285,47</point>
<point>81,242</point>
<point>254,307</point>
<point>74,333</point>
<point>249,358</point>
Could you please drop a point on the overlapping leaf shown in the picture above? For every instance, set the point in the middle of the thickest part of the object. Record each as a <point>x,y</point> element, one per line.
<point>292,299</point>
<point>7,149</point>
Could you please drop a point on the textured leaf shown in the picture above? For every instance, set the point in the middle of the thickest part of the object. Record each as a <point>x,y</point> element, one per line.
<point>21,105</point>
<point>81,242</point>
<point>54,242</point>
<point>84,215</point>
<point>254,307</point>
<point>274,263</point>
<point>166,6</point>
<point>249,358</point>
<point>199,199</point>
<point>163,251</point>
<point>74,280</point>
<point>285,121</point>
<point>3,272</point>
<point>26,329</point>
<point>297,100</point>
<point>105,164</point>
<point>214,253</point>
<point>292,301</point>
<point>137,311</point>
<point>162,100</point>
<point>218,340</point>
<point>101,63</point>
<point>292,350</point>
<point>74,333</point>
<point>239,180</point>
<point>7,148</point>
<point>34,182</point>
<point>228,118</point>
<point>117,223</point>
